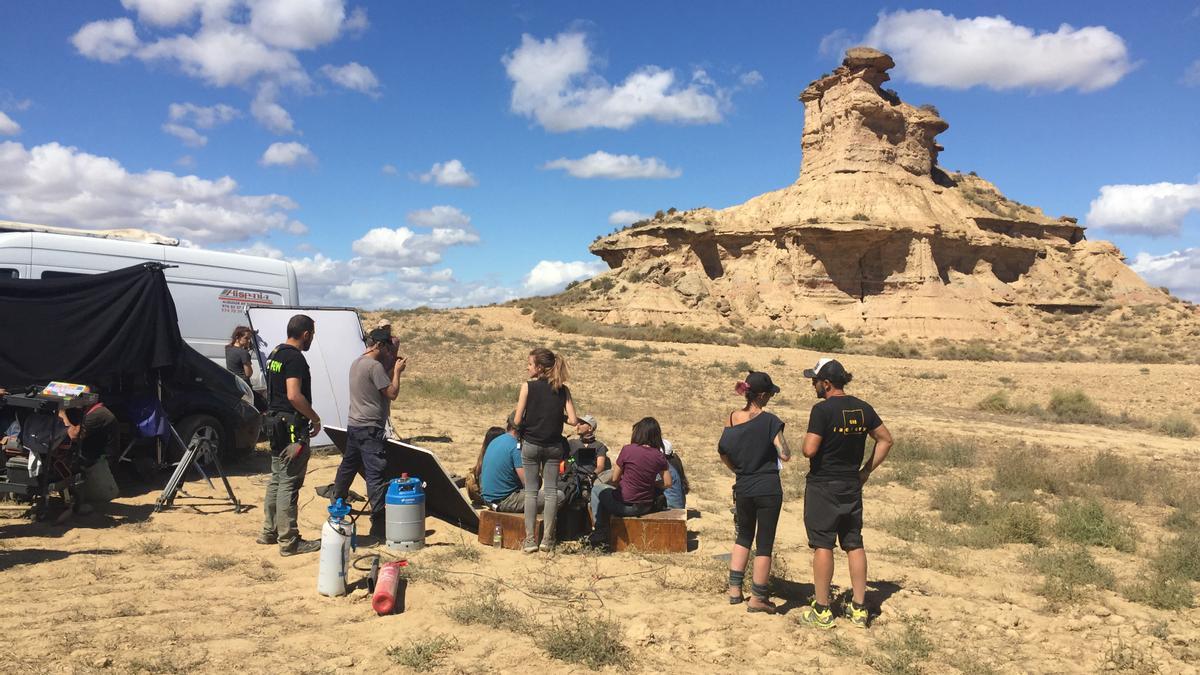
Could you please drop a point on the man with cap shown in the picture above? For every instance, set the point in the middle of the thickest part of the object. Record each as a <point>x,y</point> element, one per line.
<point>588,452</point>
<point>838,427</point>
<point>374,384</point>
<point>502,473</point>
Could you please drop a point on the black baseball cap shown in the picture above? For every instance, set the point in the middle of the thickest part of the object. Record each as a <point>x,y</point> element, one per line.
<point>826,369</point>
<point>760,383</point>
<point>381,334</point>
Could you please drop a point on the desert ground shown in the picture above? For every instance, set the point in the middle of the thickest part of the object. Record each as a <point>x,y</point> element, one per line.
<point>1009,540</point>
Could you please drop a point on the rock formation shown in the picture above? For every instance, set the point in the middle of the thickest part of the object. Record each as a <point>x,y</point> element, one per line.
<point>873,236</point>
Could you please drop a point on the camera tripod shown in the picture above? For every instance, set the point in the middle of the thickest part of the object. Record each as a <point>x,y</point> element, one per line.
<point>190,458</point>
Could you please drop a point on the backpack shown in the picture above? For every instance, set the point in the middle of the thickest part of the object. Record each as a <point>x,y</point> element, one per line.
<point>576,484</point>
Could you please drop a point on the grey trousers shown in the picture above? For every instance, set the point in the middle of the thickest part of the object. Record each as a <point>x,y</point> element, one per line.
<point>283,494</point>
<point>515,503</point>
<point>541,471</point>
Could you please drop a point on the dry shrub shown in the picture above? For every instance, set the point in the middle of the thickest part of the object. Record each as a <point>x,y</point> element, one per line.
<point>1120,478</point>
<point>903,652</point>
<point>423,654</point>
<point>1025,472</point>
<point>487,608</point>
<point>588,640</point>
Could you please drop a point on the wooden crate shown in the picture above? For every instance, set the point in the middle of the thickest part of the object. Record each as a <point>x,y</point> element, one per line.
<point>661,532</point>
<point>512,528</point>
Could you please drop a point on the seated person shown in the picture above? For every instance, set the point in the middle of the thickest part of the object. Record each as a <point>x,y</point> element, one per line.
<point>502,475</point>
<point>588,452</point>
<point>99,437</point>
<point>676,493</point>
<point>473,489</point>
<point>635,475</point>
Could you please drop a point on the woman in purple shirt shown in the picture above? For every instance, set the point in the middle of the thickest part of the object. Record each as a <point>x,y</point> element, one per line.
<point>636,475</point>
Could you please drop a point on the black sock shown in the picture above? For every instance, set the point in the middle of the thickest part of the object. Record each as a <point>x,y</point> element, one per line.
<point>820,607</point>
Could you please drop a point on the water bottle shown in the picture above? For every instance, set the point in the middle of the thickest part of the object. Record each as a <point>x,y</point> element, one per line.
<point>497,537</point>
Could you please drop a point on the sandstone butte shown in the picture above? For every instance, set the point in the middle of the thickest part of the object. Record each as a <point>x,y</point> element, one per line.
<point>873,236</point>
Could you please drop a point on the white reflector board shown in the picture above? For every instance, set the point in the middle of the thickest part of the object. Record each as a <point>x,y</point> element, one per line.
<point>338,341</point>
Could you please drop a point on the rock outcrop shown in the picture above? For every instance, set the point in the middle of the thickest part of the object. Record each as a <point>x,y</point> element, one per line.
<point>873,236</point>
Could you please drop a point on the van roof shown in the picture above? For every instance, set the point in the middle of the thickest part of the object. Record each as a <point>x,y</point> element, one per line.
<point>124,234</point>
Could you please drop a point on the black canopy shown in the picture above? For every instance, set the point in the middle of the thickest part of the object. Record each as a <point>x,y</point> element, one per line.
<point>87,328</point>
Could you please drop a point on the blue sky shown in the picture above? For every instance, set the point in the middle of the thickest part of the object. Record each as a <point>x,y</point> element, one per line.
<point>327,113</point>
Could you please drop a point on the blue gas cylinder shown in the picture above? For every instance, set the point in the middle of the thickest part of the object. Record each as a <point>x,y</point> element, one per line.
<point>404,513</point>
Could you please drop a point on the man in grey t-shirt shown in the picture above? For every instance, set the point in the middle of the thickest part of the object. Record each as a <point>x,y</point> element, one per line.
<point>371,392</point>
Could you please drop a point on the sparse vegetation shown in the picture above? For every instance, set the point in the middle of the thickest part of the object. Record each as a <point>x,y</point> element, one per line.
<point>892,349</point>
<point>1025,473</point>
<point>454,389</point>
<point>1070,574</point>
<point>486,608</point>
<point>218,562</point>
<point>587,639</point>
<point>903,652</point>
<point>1178,426</point>
<point>423,654</point>
<point>1075,407</point>
<point>1088,522</point>
<point>150,546</point>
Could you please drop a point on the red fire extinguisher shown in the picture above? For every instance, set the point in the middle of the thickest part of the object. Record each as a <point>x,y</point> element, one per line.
<point>389,589</point>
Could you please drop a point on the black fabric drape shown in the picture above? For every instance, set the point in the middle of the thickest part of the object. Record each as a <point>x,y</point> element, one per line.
<point>86,328</point>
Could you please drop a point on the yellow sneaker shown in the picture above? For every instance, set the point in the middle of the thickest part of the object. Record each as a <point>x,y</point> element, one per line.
<point>818,618</point>
<point>857,615</point>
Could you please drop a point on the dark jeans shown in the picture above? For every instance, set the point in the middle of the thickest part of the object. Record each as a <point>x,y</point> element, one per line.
<point>611,504</point>
<point>365,453</point>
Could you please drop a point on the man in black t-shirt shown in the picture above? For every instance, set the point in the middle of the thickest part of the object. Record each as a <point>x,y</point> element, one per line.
<point>838,428</point>
<point>290,422</point>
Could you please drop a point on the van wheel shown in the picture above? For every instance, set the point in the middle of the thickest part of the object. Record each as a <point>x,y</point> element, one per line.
<point>202,431</point>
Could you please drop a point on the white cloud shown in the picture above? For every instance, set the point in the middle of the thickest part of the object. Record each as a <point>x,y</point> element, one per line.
<point>297,24</point>
<point>108,41</point>
<point>438,216</point>
<point>353,76</point>
<point>449,174</point>
<point>407,248</point>
<point>601,164</point>
<point>186,161</point>
<point>835,43</point>
<point>61,185</point>
<point>625,217</point>
<point>1156,209</point>
<point>1177,270</point>
<point>287,154</point>
<point>243,43</point>
<point>551,276</point>
<point>188,135</point>
<point>937,49</point>
<point>553,83</point>
<point>389,170</point>
<point>269,113</point>
<point>752,78</point>
<point>7,126</point>
<point>1191,76</point>
<point>204,117</point>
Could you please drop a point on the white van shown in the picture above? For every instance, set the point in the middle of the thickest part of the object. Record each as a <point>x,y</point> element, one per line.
<point>212,289</point>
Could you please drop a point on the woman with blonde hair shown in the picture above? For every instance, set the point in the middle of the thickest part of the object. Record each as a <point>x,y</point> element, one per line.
<point>542,406</point>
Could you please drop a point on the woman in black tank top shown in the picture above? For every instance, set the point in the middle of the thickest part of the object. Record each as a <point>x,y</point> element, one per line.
<point>542,406</point>
<point>752,446</point>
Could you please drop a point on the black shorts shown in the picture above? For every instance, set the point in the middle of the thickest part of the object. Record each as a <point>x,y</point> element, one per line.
<point>833,513</point>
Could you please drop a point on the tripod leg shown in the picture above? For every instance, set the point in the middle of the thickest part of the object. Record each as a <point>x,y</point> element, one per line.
<point>167,498</point>
<point>237,506</point>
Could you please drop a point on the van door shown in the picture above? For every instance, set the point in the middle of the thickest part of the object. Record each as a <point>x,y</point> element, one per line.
<point>14,255</point>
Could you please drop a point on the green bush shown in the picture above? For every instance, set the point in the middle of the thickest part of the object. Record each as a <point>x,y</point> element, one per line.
<point>1177,425</point>
<point>1160,592</point>
<point>1017,524</point>
<point>1180,558</point>
<point>997,402</point>
<point>1089,523</point>
<point>956,502</point>
<point>822,341</point>
<point>423,654</point>
<point>1075,407</point>
<point>1024,472</point>
<point>1069,574</point>
<point>894,350</point>
<point>1120,478</point>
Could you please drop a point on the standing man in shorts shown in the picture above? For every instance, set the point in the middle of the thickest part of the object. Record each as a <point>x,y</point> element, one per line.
<point>838,427</point>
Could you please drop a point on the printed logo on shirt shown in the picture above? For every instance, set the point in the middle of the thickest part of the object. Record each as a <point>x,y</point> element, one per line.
<point>274,366</point>
<point>853,422</point>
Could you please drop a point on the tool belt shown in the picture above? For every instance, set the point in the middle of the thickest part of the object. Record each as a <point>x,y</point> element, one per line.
<point>284,428</point>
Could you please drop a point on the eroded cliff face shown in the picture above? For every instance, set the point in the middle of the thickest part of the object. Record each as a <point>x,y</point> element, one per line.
<point>873,236</point>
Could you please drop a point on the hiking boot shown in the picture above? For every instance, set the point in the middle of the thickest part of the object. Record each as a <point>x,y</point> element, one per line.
<point>857,615</point>
<point>267,539</point>
<point>300,546</point>
<point>818,618</point>
<point>530,545</point>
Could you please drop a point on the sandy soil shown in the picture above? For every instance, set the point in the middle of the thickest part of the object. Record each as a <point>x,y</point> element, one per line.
<point>188,590</point>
